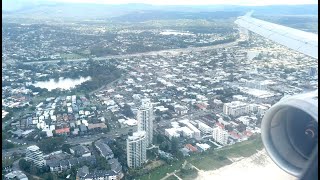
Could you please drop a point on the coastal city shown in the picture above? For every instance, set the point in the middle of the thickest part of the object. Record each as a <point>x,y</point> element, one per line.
<point>167,112</point>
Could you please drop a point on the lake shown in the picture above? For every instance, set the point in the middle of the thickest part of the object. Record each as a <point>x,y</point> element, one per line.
<point>63,83</point>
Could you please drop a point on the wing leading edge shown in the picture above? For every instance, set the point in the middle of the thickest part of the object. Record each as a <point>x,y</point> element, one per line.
<point>301,41</point>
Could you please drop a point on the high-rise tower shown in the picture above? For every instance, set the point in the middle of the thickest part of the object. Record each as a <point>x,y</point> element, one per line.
<point>34,155</point>
<point>136,149</point>
<point>145,119</point>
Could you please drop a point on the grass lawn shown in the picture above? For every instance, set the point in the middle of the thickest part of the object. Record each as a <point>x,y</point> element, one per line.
<point>154,164</point>
<point>214,159</point>
<point>244,149</point>
<point>172,177</point>
<point>209,161</point>
<point>191,176</point>
<point>162,171</point>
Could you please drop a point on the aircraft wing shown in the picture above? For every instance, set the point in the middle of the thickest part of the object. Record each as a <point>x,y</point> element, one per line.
<point>301,41</point>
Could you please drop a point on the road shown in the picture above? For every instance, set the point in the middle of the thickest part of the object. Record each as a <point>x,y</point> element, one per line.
<point>180,50</point>
<point>170,174</point>
<point>9,152</point>
<point>177,176</point>
<point>15,165</point>
<point>73,141</point>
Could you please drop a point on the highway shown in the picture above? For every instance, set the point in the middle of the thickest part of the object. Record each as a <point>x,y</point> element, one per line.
<point>176,51</point>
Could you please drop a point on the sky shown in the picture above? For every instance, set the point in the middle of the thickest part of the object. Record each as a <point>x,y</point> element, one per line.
<point>184,2</point>
<point>198,2</point>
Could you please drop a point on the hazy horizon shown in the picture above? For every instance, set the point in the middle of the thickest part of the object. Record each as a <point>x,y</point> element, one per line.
<point>18,4</point>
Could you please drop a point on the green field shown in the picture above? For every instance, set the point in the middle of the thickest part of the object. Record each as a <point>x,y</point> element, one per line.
<point>190,176</point>
<point>211,159</point>
<point>214,159</point>
<point>162,171</point>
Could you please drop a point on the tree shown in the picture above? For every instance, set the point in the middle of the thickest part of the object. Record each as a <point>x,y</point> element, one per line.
<point>241,127</point>
<point>34,169</point>
<point>127,111</point>
<point>43,134</point>
<point>102,163</point>
<point>7,145</point>
<point>24,165</point>
<point>157,112</point>
<point>164,146</point>
<point>174,145</point>
<point>50,176</point>
<point>66,148</point>
<point>87,96</point>
<point>170,107</point>
<point>160,138</point>
<point>179,155</point>
<point>50,144</point>
<point>158,119</point>
<point>229,128</point>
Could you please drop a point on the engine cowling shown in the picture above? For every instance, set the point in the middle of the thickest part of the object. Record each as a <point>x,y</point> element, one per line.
<point>289,131</point>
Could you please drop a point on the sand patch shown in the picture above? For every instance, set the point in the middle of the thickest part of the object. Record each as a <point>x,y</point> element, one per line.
<point>258,166</point>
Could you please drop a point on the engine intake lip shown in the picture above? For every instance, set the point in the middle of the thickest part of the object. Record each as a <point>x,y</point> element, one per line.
<point>277,132</point>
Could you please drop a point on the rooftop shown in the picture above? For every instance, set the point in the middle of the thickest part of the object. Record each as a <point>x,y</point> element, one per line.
<point>33,148</point>
<point>137,135</point>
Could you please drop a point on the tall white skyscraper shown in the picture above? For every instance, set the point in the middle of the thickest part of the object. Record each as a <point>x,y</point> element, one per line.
<point>136,149</point>
<point>34,155</point>
<point>220,135</point>
<point>145,119</point>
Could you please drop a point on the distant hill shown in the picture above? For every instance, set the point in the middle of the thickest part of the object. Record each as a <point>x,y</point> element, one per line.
<point>142,12</point>
<point>170,15</point>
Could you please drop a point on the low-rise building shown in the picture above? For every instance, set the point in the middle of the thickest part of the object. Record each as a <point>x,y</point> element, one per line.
<point>80,151</point>
<point>171,133</point>
<point>204,128</point>
<point>19,175</point>
<point>202,147</point>
<point>191,148</point>
<point>104,149</point>
<point>62,165</point>
<point>96,175</point>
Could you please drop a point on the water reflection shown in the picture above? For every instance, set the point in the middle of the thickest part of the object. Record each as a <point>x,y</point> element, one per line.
<point>62,83</point>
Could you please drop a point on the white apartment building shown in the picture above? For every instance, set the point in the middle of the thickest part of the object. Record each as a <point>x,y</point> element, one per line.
<point>136,149</point>
<point>196,132</point>
<point>244,119</point>
<point>186,132</point>
<point>145,119</point>
<point>34,155</point>
<point>204,128</point>
<point>235,108</point>
<point>171,133</point>
<point>220,135</point>
<point>178,131</point>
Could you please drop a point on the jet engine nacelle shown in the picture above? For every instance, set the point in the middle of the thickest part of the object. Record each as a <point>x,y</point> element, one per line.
<point>289,132</point>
